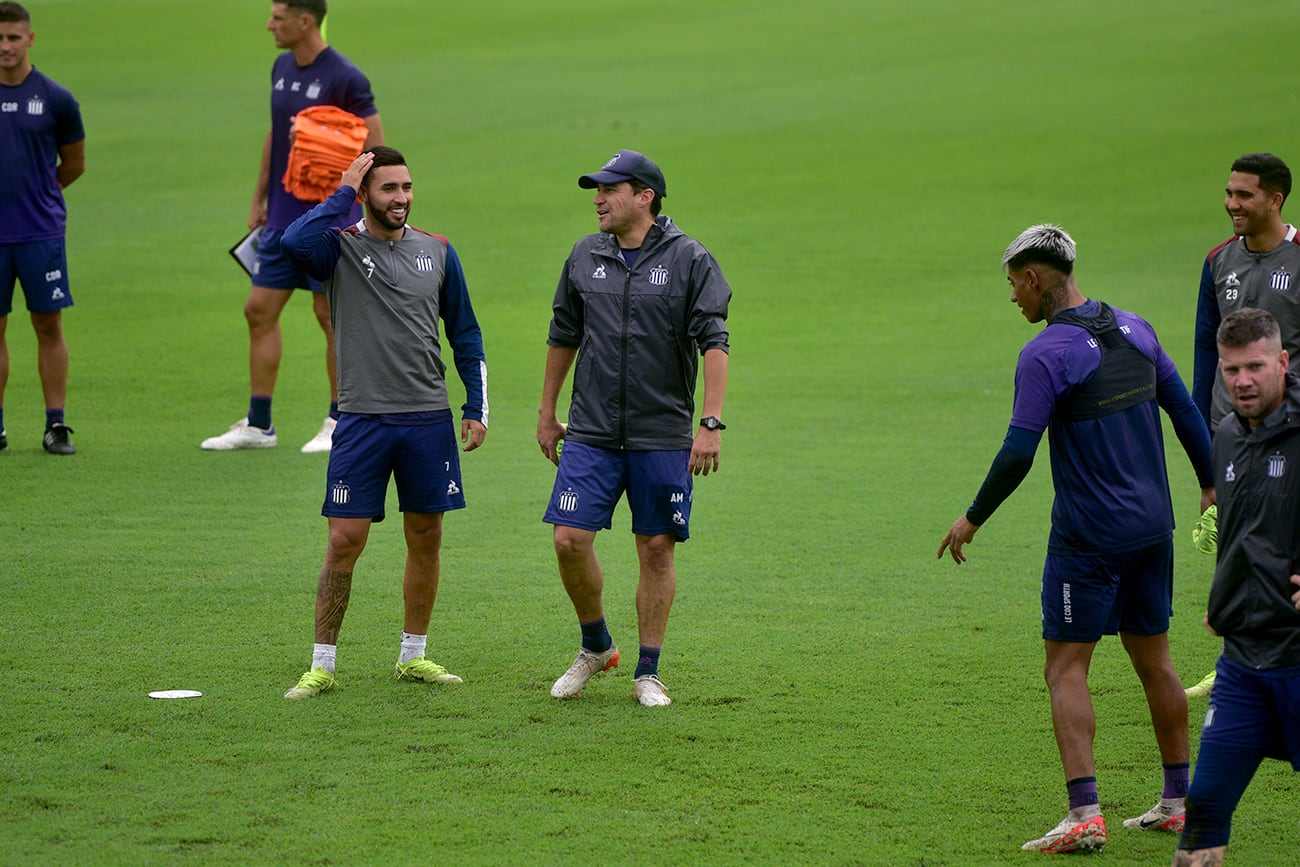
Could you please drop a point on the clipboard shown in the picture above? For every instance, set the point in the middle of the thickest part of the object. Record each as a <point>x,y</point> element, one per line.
<point>245,252</point>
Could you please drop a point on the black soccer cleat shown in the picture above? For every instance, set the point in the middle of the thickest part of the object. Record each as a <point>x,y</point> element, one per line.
<point>56,440</point>
<point>4,441</point>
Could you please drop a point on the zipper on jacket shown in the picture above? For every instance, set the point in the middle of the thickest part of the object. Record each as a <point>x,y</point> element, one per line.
<point>622,368</point>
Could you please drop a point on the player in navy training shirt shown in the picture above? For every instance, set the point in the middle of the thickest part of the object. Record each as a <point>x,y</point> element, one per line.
<point>308,73</point>
<point>1096,379</point>
<point>44,149</point>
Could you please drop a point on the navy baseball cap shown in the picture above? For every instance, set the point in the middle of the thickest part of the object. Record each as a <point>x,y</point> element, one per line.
<point>627,166</point>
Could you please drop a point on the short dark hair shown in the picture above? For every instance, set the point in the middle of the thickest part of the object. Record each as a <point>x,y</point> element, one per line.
<point>655,204</point>
<point>1243,327</point>
<point>11,12</point>
<point>384,156</point>
<point>1274,176</point>
<point>315,8</point>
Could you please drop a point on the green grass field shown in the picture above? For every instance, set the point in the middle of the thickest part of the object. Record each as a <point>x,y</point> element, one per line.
<point>840,696</point>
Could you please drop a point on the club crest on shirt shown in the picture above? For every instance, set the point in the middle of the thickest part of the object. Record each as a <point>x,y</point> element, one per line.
<point>313,90</point>
<point>1279,281</point>
<point>1276,466</point>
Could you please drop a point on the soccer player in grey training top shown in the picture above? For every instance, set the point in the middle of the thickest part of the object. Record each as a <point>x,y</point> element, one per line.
<point>389,284</point>
<point>1257,267</point>
<point>307,73</point>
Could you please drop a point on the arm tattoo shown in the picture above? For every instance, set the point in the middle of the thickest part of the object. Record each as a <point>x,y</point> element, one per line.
<point>331,604</point>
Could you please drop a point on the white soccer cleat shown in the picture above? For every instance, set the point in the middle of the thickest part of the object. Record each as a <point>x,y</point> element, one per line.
<point>584,666</point>
<point>324,439</point>
<point>650,692</point>
<point>1071,835</point>
<point>241,435</point>
<point>1169,814</point>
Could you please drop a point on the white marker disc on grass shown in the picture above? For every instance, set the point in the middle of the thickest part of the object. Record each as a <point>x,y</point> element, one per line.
<point>175,693</point>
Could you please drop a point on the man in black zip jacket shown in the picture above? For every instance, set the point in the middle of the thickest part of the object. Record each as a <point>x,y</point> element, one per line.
<point>637,305</point>
<point>1254,604</point>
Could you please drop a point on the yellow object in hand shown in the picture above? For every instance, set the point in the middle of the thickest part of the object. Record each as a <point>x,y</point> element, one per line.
<point>1205,535</point>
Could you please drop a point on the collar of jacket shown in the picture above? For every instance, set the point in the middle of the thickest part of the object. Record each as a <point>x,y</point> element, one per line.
<point>663,229</point>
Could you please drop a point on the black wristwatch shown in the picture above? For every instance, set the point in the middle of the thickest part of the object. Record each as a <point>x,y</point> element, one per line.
<point>712,422</point>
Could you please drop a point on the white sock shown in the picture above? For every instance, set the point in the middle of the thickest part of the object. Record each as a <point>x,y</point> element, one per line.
<point>323,655</point>
<point>412,646</point>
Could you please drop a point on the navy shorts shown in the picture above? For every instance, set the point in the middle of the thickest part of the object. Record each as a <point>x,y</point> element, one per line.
<point>42,268</point>
<point>418,450</point>
<point>275,270</point>
<point>591,480</point>
<point>1086,597</point>
<point>1255,709</point>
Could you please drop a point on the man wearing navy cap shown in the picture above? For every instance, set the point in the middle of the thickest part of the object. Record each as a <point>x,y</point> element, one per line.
<point>635,304</point>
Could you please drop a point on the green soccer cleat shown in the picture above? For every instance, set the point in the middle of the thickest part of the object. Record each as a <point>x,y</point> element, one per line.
<point>311,684</point>
<point>1201,689</point>
<point>1205,534</point>
<point>426,670</point>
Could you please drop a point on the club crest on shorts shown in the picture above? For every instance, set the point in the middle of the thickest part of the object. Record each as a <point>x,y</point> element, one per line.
<point>339,494</point>
<point>567,501</point>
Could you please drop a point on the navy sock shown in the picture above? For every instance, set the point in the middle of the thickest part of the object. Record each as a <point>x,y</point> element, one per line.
<point>53,417</point>
<point>595,636</point>
<point>334,410</point>
<point>647,662</point>
<point>2,418</point>
<point>1176,779</point>
<point>259,412</point>
<point>1082,791</point>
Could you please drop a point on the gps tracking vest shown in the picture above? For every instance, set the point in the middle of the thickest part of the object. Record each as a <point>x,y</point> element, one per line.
<point>1125,377</point>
